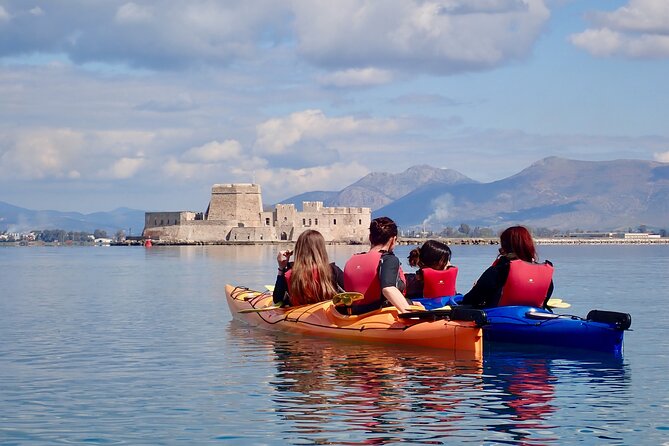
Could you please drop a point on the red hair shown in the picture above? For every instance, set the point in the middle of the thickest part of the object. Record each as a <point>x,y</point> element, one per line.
<point>518,240</point>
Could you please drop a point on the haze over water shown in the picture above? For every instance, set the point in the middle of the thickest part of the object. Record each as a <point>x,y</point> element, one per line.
<point>126,345</point>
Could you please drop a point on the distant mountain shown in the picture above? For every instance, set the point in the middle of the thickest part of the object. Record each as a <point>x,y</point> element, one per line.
<point>554,192</point>
<point>378,189</point>
<point>17,219</point>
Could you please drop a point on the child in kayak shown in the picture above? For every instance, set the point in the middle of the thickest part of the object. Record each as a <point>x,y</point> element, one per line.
<point>311,278</point>
<point>434,282</point>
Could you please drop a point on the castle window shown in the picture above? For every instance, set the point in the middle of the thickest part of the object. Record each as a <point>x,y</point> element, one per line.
<point>304,222</point>
<point>309,222</point>
<point>161,222</point>
<point>267,221</point>
<point>334,221</point>
<point>316,222</point>
<point>285,218</point>
<point>359,221</point>
<point>155,222</point>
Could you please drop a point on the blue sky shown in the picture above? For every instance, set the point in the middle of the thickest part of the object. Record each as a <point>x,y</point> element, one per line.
<point>146,104</point>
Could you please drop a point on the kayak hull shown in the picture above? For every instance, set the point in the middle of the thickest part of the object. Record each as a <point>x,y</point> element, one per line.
<point>535,326</point>
<point>381,326</point>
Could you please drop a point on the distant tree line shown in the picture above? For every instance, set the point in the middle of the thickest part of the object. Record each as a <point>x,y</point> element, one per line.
<point>465,230</point>
<point>61,236</point>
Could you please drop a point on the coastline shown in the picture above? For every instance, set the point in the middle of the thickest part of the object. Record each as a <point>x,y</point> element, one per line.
<point>403,241</point>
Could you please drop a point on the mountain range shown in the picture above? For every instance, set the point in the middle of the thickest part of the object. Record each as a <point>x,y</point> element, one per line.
<point>554,192</point>
<point>17,219</point>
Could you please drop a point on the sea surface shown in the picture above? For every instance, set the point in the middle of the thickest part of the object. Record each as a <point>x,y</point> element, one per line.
<point>132,345</point>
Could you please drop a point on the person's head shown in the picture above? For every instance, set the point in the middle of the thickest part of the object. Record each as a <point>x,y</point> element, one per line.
<point>310,247</point>
<point>433,254</point>
<point>518,240</point>
<point>381,230</point>
<point>311,279</point>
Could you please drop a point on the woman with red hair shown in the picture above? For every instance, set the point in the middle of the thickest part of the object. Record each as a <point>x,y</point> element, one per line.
<point>515,278</point>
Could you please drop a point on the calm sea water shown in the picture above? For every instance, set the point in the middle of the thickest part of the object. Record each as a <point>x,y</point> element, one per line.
<point>127,345</point>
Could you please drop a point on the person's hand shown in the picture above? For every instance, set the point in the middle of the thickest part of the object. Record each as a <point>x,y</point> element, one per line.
<point>283,257</point>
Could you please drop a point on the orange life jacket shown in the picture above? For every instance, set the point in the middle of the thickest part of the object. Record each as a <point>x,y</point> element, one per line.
<point>527,283</point>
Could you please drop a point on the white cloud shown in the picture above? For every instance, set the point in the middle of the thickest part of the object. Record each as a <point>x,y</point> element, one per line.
<point>639,29</point>
<point>280,135</point>
<point>363,77</point>
<point>43,154</point>
<point>282,183</point>
<point>214,151</point>
<point>122,169</point>
<point>63,153</point>
<point>351,37</point>
<point>37,11</point>
<point>4,15</point>
<point>662,157</point>
<point>133,13</point>
<point>440,37</point>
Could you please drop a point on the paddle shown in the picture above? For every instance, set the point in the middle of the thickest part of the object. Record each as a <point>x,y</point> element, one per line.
<point>455,314</point>
<point>347,298</point>
<point>259,310</point>
<point>557,303</point>
<point>269,288</point>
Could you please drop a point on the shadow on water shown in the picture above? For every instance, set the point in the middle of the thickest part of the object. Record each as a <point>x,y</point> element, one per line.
<point>326,392</point>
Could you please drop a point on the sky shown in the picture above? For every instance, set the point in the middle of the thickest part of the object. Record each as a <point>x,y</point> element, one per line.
<point>147,104</point>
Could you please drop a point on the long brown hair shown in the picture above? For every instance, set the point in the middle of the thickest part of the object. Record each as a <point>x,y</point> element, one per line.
<point>518,240</point>
<point>311,278</point>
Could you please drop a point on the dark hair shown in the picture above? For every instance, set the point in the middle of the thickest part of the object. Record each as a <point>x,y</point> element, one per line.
<point>381,230</point>
<point>433,254</point>
<point>518,240</point>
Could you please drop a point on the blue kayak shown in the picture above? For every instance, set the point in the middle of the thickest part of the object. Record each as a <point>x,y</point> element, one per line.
<point>601,331</point>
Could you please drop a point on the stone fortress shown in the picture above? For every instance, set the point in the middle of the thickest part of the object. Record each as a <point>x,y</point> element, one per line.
<point>235,215</point>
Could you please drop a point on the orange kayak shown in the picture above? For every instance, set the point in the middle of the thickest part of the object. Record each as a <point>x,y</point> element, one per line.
<point>383,326</point>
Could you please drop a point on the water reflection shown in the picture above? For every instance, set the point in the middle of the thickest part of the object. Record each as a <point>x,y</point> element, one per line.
<point>326,392</point>
<point>366,394</point>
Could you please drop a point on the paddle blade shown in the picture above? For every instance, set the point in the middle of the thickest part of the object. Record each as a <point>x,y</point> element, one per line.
<point>269,288</point>
<point>347,298</point>
<point>557,303</point>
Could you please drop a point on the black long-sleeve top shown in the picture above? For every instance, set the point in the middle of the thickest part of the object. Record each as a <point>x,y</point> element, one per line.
<point>280,293</point>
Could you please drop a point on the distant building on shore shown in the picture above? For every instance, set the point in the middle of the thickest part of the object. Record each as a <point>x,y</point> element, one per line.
<point>235,214</point>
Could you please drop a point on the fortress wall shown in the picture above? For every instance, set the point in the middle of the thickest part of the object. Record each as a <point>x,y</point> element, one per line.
<point>157,219</point>
<point>258,234</point>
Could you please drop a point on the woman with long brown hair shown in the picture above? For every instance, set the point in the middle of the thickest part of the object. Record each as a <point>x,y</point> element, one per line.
<point>515,278</point>
<point>311,278</point>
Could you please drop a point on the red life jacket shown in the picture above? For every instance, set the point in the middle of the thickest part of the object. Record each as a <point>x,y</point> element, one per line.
<point>439,283</point>
<point>527,284</point>
<point>361,275</point>
<point>289,273</point>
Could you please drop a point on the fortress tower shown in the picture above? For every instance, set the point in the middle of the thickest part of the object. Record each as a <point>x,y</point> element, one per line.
<point>235,202</point>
